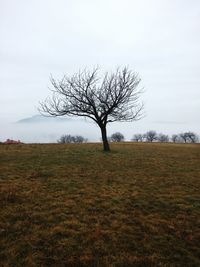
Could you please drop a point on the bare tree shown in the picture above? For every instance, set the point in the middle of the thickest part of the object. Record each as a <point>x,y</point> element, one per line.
<point>184,137</point>
<point>115,97</point>
<point>66,139</point>
<point>151,136</point>
<point>117,137</point>
<point>175,138</point>
<point>189,137</point>
<point>163,138</point>
<point>138,137</point>
<point>80,139</point>
<point>193,138</point>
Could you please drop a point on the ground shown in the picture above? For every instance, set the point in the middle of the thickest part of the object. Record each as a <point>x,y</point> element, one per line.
<point>74,205</point>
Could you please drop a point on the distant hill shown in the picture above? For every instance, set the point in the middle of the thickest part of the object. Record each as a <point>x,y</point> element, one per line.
<point>43,119</point>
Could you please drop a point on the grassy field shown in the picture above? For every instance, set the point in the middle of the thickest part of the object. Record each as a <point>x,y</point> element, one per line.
<point>74,205</point>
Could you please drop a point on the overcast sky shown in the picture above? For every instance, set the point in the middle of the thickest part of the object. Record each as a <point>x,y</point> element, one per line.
<point>159,39</point>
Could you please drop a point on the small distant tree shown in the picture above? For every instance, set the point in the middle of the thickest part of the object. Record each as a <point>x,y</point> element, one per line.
<point>113,97</point>
<point>117,137</point>
<point>175,138</point>
<point>79,139</point>
<point>138,137</point>
<point>189,137</point>
<point>150,136</point>
<point>67,139</point>
<point>183,137</point>
<point>192,137</point>
<point>163,138</point>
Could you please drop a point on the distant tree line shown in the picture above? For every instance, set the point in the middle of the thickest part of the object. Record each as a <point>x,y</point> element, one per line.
<point>149,136</point>
<point>153,136</point>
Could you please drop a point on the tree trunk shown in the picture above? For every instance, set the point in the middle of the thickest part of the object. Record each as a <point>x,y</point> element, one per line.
<point>106,146</point>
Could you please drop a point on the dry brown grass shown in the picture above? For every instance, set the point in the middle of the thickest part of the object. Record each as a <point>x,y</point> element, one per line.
<point>73,205</point>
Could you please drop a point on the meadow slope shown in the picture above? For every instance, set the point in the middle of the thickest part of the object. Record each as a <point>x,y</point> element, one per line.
<point>74,205</point>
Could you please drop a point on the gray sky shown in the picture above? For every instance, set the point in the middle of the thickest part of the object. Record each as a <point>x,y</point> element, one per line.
<point>160,39</point>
